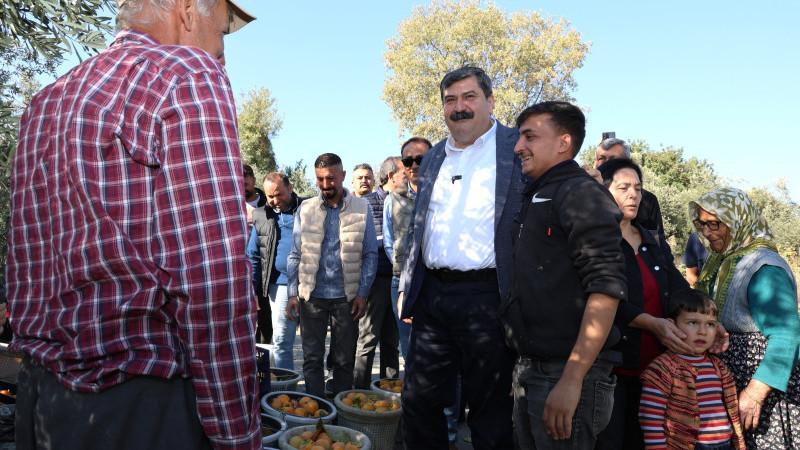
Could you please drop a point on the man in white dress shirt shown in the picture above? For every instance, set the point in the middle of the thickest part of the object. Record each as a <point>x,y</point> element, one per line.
<point>458,265</point>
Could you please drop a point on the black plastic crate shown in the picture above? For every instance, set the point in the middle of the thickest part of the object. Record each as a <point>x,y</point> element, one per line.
<point>262,366</point>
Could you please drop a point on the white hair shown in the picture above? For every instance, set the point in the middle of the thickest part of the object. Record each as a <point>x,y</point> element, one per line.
<point>130,12</point>
<point>610,142</point>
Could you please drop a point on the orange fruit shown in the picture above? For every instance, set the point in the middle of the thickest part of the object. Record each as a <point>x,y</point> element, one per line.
<point>311,406</point>
<point>306,435</point>
<point>347,401</point>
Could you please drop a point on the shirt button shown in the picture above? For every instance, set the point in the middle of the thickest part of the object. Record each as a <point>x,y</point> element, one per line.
<point>644,249</point>
<point>657,268</point>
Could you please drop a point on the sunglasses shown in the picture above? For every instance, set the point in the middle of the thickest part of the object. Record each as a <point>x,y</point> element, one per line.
<point>712,225</point>
<point>409,161</point>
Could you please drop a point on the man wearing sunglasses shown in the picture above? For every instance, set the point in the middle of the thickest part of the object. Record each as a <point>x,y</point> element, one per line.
<point>458,265</point>
<point>397,210</point>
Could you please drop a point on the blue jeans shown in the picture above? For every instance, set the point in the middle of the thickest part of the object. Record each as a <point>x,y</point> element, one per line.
<point>283,329</point>
<point>402,327</point>
<point>533,381</point>
<point>721,446</point>
<point>315,315</point>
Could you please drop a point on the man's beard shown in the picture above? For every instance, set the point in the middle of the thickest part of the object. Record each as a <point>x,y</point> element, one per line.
<point>330,194</point>
<point>460,115</point>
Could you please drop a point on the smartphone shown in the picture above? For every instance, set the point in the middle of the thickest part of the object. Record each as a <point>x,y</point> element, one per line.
<point>609,135</point>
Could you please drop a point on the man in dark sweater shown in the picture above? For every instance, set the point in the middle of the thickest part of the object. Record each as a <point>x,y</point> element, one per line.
<point>378,324</point>
<point>569,278</point>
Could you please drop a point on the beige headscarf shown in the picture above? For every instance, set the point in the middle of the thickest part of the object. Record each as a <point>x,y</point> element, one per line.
<point>749,231</point>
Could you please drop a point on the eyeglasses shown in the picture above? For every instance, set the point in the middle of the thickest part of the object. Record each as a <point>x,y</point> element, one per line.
<point>712,225</point>
<point>409,161</point>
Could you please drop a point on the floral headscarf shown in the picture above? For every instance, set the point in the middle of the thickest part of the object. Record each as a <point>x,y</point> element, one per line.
<point>749,231</point>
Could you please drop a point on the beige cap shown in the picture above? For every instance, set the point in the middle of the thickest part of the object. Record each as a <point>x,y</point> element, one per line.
<point>239,16</point>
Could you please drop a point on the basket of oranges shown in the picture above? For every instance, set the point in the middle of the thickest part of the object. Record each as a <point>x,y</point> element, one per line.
<point>298,408</point>
<point>375,414</point>
<point>325,437</point>
<point>388,385</point>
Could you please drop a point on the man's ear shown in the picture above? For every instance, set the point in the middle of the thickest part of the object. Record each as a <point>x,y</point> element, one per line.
<point>565,143</point>
<point>188,14</point>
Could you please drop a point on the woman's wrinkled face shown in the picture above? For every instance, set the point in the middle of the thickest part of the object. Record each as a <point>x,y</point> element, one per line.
<point>720,238</point>
<point>627,191</point>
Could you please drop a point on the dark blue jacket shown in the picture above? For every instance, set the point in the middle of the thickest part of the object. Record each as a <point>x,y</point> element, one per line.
<point>508,195</point>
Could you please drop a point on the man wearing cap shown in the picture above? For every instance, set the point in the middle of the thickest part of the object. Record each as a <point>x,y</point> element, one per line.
<point>130,296</point>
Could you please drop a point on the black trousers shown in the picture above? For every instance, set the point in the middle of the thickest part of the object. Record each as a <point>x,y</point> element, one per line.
<point>456,328</point>
<point>141,413</point>
<point>264,322</point>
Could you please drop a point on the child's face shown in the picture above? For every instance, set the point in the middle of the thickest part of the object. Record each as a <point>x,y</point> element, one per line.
<point>700,329</point>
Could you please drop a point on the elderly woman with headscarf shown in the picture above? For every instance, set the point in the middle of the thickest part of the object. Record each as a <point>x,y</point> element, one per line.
<point>757,298</point>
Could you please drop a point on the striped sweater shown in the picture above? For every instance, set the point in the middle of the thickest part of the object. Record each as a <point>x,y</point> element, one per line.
<point>686,400</point>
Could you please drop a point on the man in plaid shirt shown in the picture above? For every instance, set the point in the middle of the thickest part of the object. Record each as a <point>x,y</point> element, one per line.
<point>127,278</point>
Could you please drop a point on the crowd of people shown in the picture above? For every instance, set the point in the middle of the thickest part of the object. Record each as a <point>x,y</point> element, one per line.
<point>541,294</point>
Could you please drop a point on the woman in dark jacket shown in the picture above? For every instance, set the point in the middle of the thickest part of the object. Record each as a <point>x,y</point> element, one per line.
<point>652,278</point>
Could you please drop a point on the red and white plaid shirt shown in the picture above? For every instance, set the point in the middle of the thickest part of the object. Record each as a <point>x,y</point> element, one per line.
<point>128,232</point>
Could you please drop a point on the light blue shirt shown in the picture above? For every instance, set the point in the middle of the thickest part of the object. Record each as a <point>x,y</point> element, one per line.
<point>388,230</point>
<point>330,278</point>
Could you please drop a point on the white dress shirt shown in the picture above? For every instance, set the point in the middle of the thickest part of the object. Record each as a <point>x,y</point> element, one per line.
<point>459,226</point>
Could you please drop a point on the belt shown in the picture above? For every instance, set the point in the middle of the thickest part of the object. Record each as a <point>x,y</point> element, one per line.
<point>610,356</point>
<point>458,276</point>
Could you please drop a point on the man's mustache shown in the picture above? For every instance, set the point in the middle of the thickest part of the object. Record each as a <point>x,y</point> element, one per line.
<point>460,115</point>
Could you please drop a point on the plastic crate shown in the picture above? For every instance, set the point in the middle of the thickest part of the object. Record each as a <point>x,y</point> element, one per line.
<point>9,364</point>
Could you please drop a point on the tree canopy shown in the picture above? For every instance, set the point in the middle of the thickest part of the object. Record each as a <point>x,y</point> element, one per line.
<point>259,123</point>
<point>529,58</point>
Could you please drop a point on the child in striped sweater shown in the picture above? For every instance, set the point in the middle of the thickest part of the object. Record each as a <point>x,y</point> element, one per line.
<point>690,401</point>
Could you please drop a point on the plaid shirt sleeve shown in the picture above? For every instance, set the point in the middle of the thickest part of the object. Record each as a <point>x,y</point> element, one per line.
<point>200,239</point>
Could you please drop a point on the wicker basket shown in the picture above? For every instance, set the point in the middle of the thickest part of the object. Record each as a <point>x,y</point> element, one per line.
<point>336,432</point>
<point>277,424</point>
<point>381,427</point>
<point>289,384</point>
<point>296,421</point>
<point>375,386</point>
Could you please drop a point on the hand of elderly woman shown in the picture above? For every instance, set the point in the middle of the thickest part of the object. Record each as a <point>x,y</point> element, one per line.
<point>751,399</point>
<point>721,340</point>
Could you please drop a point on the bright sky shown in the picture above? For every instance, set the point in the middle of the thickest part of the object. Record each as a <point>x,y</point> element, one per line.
<point>717,78</point>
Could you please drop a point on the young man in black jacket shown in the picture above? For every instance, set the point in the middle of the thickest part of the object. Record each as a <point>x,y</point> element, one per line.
<point>570,277</point>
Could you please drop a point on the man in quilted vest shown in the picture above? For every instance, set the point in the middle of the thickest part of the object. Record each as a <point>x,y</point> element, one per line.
<point>330,272</point>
